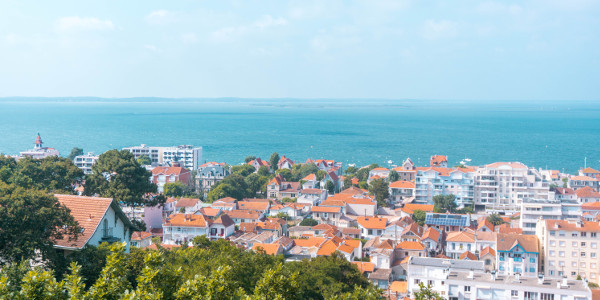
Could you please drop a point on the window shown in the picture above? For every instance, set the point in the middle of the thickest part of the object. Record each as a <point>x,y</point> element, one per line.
<point>582,254</point>
<point>488,262</point>
<point>561,263</point>
<point>561,243</point>
<point>593,245</point>
<point>514,293</point>
<point>574,264</point>
<point>530,296</point>
<point>552,243</point>
<point>532,260</point>
<point>561,253</point>
<point>552,232</point>
<point>582,244</point>
<point>583,234</point>
<point>532,270</point>
<point>593,255</point>
<point>593,275</point>
<point>467,288</point>
<point>544,296</point>
<point>561,233</point>
<point>573,273</point>
<point>417,281</point>
<point>552,253</point>
<point>574,234</point>
<point>430,282</point>
<point>593,265</point>
<point>582,264</point>
<point>574,244</point>
<point>574,253</point>
<point>551,263</point>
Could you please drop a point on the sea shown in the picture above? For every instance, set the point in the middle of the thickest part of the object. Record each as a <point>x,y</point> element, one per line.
<point>561,135</point>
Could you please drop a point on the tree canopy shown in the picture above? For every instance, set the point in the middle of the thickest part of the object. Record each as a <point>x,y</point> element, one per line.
<point>495,219</point>
<point>174,189</point>
<point>419,216</point>
<point>380,189</point>
<point>75,152</point>
<point>53,174</point>
<point>309,222</point>
<point>274,160</point>
<point>394,176</point>
<point>116,174</point>
<point>444,203</point>
<point>144,160</point>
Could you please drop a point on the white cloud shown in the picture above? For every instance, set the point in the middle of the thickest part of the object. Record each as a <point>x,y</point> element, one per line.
<point>159,16</point>
<point>232,32</point>
<point>268,21</point>
<point>434,30</point>
<point>189,38</point>
<point>77,24</point>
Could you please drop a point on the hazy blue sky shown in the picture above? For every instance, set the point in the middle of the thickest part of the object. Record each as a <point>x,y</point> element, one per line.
<point>542,49</point>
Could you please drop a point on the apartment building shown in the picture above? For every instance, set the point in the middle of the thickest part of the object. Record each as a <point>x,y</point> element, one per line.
<point>85,162</point>
<point>188,156</point>
<point>533,210</point>
<point>502,186</point>
<point>430,182</point>
<point>570,248</point>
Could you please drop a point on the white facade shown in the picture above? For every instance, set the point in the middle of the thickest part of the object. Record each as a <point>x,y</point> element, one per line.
<point>431,182</point>
<point>504,185</point>
<point>85,162</point>
<point>533,210</point>
<point>189,157</point>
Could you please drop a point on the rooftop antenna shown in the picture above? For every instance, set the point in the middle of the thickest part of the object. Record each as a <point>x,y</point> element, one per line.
<point>585,163</point>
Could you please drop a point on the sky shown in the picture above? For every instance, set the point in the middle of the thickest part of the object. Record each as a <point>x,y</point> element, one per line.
<point>467,50</point>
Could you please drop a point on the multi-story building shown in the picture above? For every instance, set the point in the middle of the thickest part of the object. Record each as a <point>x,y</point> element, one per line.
<point>434,181</point>
<point>533,210</point>
<point>570,248</point>
<point>209,174</point>
<point>517,254</point>
<point>503,185</point>
<point>164,175</point>
<point>578,182</point>
<point>39,151</point>
<point>182,228</point>
<point>188,156</point>
<point>85,162</point>
<point>400,190</point>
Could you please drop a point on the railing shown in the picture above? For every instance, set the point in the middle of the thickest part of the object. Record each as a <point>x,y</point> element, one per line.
<point>517,259</point>
<point>107,232</point>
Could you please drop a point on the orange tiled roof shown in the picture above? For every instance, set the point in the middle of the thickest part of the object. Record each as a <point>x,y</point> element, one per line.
<point>309,242</point>
<point>410,245</point>
<point>468,255</point>
<point>431,233</point>
<point>242,214</point>
<point>187,220</point>
<point>372,222</point>
<point>508,241</point>
<point>487,250</point>
<point>402,184</point>
<point>186,202</point>
<point>583,178</point>
<point>380,169</point>
<point>399,287</point>
<point>250,205</point>
<point>410,208</point>
<point>270,249</point>
<point>460,236</point>
<point>169,171</point>
<point>210,212</point>
<point>140,235</point>
<point>364,266</point>
<point>587,192</point>
<point>589,170</point>
<point>88,212</point>
<point>325,209</point>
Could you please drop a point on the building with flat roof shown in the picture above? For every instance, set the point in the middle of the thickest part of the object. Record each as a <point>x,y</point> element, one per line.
<point>38,151</point>
<point>85,162</point>
<point>187,156</point>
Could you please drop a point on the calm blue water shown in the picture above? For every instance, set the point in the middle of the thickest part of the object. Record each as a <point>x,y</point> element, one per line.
<point>553,134</point>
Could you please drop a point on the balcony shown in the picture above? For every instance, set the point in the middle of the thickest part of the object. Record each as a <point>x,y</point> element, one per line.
<point>107,236</point>
<point>517,259</point>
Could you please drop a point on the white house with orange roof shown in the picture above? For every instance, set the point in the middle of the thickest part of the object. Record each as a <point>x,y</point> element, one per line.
<point>101,220</point>
<point>401,190</point>
<point>589,172</point>
<point>278,188</point>
<point>371,227</point>
<point>439,161</point>
<point>310,181</point>
<point>188,205</point>
<point>361,206</point>
<point>285,163</point>
<point>141,239</point>
<point>182,228</point>
<point>587,195</point>
<point>164,175</point>
<point>381,173</point>
<point>578,182</point>
<point>432,239</point>
<point>326,214</point>
<point>311,196</point>
<point>258,162</point>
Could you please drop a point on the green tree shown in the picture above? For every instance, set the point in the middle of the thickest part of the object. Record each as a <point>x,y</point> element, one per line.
<point>144,160</point>
<point>174,189</point>
<point>363,185</point>
<point>274,160</point>
<point>426,293</point>
<point>444,203</point>
<point>263,171</point>
<point>286,174</point>
<point>565,181</point>
<point>363,173</point>
<point>277,283</point>
<point>380,189</point>
<point>321,175</point>
<point>242,170</point>
<point>30,222</point>
<point>495,219</point>
<point>309,222</point>
<point>394,176</point>
<point>219,286</point>
<point>116,174</point>
<point>40,285</point>
<point>347,182</point>
<point>249,158</point>
<point>351,170</point>
<point>360,293</point>
<point>75,152</point>
<point>113,278</point>
<point>419,216</point>
<point>53,174</point>
<point>233,186</point>
<point>300,171</point>
<point>330,187</point>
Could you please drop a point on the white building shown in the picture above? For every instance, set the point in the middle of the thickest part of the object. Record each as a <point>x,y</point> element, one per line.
<point>85,162</point>
<point>503,186</point>
<point>188,156</point>
<point>533,210</point>
<point>517,254</point>
<point>39,151</point>
<point>430,182</point>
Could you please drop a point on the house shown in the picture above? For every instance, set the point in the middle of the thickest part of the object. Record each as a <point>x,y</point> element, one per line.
<point>382,258</point>
<point>285,163</point>
<point>586,195</point>
<point>188,205</point>
<point>311,196</point>
<point>310,182</point>
<point>182,228</point>
<point>440,161</point>
<point>101,220</point>
<point>257,163</point>
<point>400,190</point>
<point>278,189</point>
<point>589,172</point>
<point>458,242</point>
<point>409,209</point>
<point>361,206</point>
<point>434,272</point>
<point>249,216</point>
<point>432,239</point>
<point>488,256</point>
<point>270,249</point>
<point>485,226</point>
<point>225,204</point>
<point>164,175</point>
<point>209,174</point>
<point>371,227</point>
<point>447,222</point>
<point>518,253</point>
<point>467,255</point>
<point>381,278</point>
<point>261,205</point>
<point>221,228</point>
<point>141,239</point>
<point>378,173</point>
<point>326,214</point>
<point>577,182</point>
<point>365,268</point>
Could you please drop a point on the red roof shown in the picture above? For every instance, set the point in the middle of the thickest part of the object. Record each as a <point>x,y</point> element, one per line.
<point>401,184</point>
<point>372,222</point>
<point>587,192</point>
<point>169,171</point>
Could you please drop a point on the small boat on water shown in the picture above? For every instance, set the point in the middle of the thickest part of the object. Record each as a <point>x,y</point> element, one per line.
<point>467,159</point>
<point>351,165</point>
<point>390,162</point>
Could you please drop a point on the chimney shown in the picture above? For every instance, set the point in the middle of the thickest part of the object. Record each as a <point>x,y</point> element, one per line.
<point>471,274</point>
<point>564,282</point>
<point>518,277</point>
<point>494,275</point>
<point>540,278</point>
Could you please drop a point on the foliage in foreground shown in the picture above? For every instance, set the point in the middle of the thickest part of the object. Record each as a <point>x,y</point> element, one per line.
<point>209,270</point>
